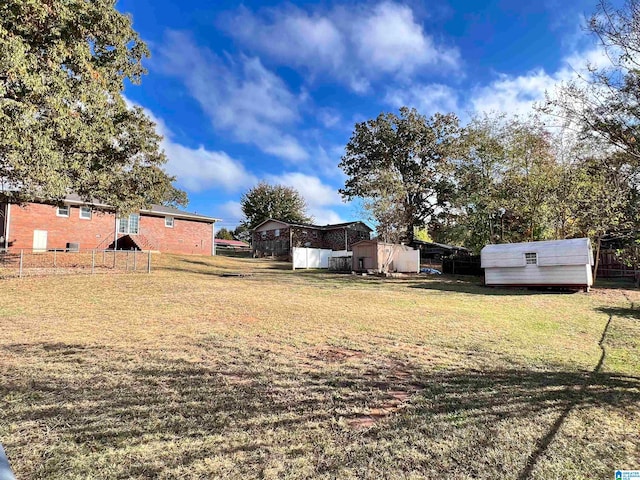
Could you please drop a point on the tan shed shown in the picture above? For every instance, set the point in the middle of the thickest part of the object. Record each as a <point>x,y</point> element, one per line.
<point>372,255</point>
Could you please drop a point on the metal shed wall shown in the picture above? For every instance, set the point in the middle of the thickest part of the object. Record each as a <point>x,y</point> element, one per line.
<point>559,262</point>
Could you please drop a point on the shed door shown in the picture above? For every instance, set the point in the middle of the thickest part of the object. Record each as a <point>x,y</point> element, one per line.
<point>39,240</point>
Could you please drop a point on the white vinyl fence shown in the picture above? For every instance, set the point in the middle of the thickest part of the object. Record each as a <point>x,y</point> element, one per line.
<point>315,257</point>
<point>310,257</point>
<point>407,261</point>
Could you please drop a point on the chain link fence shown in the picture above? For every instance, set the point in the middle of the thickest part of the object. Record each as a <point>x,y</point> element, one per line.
<point>26,263</point>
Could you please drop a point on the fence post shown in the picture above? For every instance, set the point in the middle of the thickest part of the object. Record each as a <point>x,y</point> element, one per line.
<point>134,260</point>
<point>21,258</point>
<point>114,258</point>
<point>126,263</point>
<point>104,258</point>
<point>93,261</point>
<point>55,258</point>
<point>149,261</point>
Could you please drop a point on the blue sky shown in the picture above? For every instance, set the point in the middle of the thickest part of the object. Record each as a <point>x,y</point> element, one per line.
<point>271,90</point>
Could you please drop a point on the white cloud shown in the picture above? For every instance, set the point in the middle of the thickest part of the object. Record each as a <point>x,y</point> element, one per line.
<point>354,44</point>
<point>231,212</point>
<point>329,117</point>
<point>325,216</point>
<point>242,98</point>
<point>390,40</point>
<point>516,94</point>
<point>427,99</point>
<point>198,169</point>
<point>316,193</point>
<point>513,94</point>
<point>290,36</point>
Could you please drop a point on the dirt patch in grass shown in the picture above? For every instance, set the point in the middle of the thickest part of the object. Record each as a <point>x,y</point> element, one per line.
<point>335,354</point>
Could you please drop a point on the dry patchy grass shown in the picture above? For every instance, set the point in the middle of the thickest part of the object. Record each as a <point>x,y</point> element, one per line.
<point>187,373</point>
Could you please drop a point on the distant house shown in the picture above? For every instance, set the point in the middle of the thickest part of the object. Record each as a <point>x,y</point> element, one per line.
<point>77,225</point>
<point>232,245</point>
<point>276,237</point>
<point>374,255</point>
<point>557,263</point>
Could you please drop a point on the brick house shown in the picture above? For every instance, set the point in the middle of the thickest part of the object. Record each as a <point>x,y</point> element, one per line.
<point>276,237</point>
<point>77,225</point>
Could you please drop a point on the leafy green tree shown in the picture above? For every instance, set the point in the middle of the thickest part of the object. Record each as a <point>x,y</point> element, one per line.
<point>64,125</point>
<point>273,201</point>
<point>242,233</point>
<point>605,102</point>
<point>504,176</point>
<point>422,234</point>
<point>479,202</point>
<point>402,159</point>
<point>529,178</point>
<point>224,234</point>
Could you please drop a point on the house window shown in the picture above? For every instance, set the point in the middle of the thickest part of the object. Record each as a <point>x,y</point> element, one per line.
<point>277,232</point>
<point>531,258</point>
<point>264,235</point>
<point>168,222</point>
<point>314,234</point>
<point>63,211</point>
<point>129,225</point>
<point>85,213</point>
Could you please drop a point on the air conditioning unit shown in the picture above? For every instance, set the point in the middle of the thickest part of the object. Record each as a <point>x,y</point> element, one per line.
<point>73,247</point>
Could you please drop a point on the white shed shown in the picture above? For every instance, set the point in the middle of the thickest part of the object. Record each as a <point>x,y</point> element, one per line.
<point>555,263</point>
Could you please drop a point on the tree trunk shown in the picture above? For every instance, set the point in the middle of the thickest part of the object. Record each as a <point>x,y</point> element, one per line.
<point>595,270</point>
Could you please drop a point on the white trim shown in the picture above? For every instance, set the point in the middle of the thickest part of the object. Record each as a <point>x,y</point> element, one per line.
<point>58,214</point>
<point>80,213</point>
<point>213,239</point>
<point>185,216</point>
<point>270,220</point>
<point>127,230</point>
<point>8,225</point>
<point>169,217</point>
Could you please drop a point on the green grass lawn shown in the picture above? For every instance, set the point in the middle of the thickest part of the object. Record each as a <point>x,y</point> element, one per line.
<point>186,373</point>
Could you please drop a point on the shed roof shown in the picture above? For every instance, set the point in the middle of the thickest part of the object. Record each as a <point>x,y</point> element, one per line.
<point>576,251</point>
<point>379,242</point>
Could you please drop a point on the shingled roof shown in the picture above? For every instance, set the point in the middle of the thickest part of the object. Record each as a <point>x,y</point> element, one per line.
<point>330,226</point>
<point>157,210</point>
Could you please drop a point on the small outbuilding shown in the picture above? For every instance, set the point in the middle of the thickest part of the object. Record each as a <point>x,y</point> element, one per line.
<point>555,263</point>
<point>373,255</point>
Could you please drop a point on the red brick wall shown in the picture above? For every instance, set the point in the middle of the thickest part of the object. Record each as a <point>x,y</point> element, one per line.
<point>94,233</point>
<point>334,239</point>
<point>186,237</point>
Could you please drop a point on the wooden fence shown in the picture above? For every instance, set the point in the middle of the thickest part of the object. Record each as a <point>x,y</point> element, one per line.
<point>610,267</point>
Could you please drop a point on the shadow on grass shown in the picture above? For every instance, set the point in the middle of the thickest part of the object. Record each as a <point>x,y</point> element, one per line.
<point>67,406</point>
<point>203,267</point>
<point>478,289</point>
<point>632,313</point>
